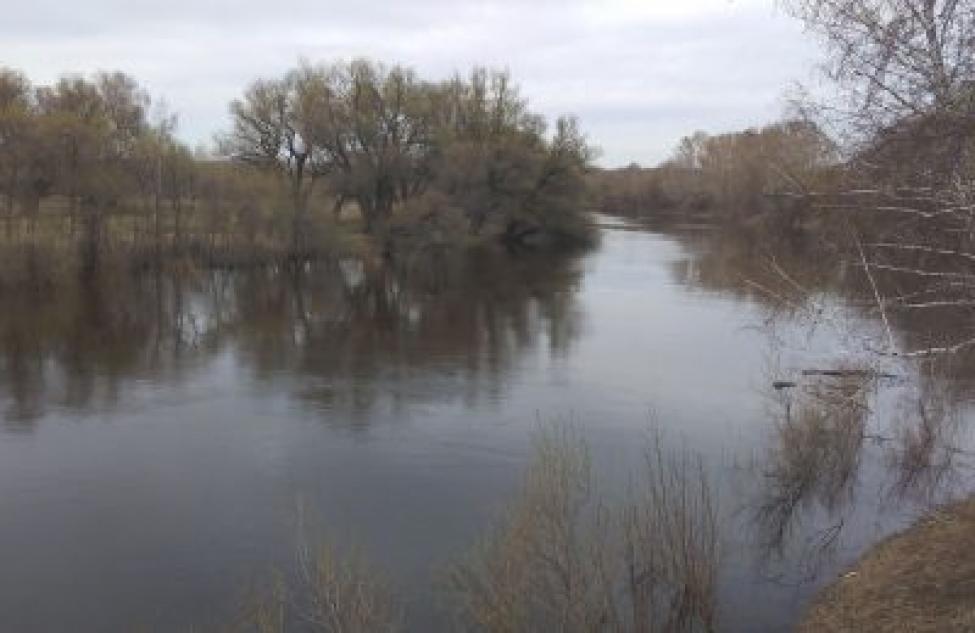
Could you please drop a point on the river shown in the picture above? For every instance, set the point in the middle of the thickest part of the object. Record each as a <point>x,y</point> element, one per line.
<point>164,440</point>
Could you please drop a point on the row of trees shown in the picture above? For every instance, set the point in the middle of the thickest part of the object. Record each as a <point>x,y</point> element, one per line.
<point>725,176</point>
<point>89,161</point>
<point>84,140</point>
<point>884,168</point>
<point>381,138</point>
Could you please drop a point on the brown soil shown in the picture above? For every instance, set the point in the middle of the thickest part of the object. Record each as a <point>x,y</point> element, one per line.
<point>922,579</point>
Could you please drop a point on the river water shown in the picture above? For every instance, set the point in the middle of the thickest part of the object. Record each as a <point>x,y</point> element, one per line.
<point>162,437</point>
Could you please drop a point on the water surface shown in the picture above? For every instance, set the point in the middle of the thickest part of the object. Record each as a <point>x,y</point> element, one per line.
<point>159,433</point>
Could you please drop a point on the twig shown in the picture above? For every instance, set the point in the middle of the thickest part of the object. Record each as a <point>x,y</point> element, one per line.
<point>876,294</point>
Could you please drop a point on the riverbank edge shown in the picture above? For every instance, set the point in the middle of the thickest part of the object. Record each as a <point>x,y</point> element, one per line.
<point>920,579</point>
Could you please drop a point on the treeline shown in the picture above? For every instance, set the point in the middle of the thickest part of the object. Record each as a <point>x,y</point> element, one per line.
<point>89,167</point>
<point>467,151</point>
<point>732,177</point>
<point>85,168</point>
<point>879,179</point>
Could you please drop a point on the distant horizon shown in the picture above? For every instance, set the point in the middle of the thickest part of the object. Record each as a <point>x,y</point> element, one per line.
<point>639,75</point>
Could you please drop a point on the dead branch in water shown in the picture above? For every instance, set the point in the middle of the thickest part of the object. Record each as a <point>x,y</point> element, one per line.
<point>844,373</point>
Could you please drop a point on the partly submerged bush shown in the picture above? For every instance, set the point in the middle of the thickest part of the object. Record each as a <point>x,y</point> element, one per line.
<point>562,558</point>
<point>565,559</point>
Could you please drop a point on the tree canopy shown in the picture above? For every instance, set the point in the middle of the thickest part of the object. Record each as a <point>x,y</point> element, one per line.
<point>381,137</point>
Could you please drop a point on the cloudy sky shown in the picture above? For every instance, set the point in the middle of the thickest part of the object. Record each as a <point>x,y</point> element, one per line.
<point>639,73</point>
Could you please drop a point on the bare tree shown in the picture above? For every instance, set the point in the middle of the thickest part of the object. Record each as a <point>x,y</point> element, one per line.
<point>382,138</point>
<point>374,123</point>
<point>360,123</point>
<point>17,137</point>
<point>270,131</point>
<point>895,61</point>
<point>905,71</point>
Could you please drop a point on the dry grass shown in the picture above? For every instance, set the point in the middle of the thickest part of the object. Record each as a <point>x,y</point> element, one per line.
<point>923,452</point>
<point>330,593</point>
<point>922,580</point>
<point>671,546</point>
<point>563,559</point>
<point>341,594</point>
<point>819,440</point>
<point>543,567</point>
<point>47,249</point>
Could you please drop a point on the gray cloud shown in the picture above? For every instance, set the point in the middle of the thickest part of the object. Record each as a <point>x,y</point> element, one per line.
<point>639,73</point>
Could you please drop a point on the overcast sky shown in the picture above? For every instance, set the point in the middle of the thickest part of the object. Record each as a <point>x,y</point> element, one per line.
<point>639,73</point>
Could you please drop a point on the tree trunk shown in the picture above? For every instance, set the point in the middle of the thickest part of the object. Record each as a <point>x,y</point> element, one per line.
<point>177,222</point>
<point>91,243</point>
<point>10,214</point>
<point>337,207</point>
<point>367,209</point>
<point>157,207</point>
<point>298,220</point>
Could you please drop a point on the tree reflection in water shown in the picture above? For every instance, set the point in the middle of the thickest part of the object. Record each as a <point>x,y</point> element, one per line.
<point>873,434</point>
<point>349,333</point>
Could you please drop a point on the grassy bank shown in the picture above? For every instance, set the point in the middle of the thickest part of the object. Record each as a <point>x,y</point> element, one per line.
<point>922,579</point>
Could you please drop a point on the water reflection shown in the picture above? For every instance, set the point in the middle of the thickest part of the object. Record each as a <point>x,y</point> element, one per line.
<point>353,334</point>
<point>815,453</point>
<point>285,362</point>
<point>857,439</point>
<point>76,346</point>
<point>806,281</point>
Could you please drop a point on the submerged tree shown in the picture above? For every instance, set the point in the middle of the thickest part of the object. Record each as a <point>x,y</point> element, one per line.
<point>268,133</point>
<point>382,138</point>
<point>86,169</point>
<point>18,141</point>
<point>93,127</point>
<point>361,124</point>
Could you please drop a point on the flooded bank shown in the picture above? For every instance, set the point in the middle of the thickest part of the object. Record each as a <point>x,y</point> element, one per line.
<point>159,431</point>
